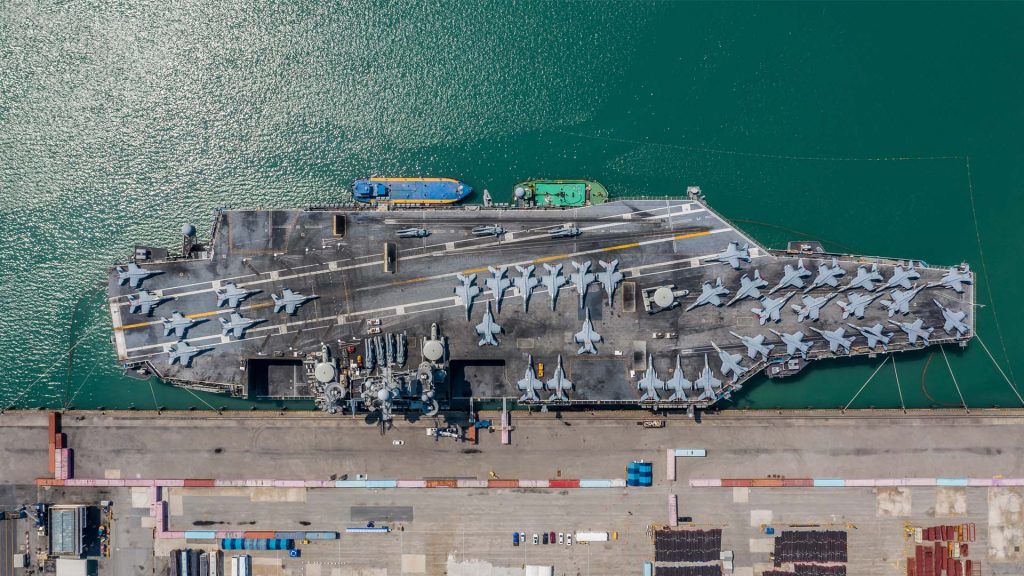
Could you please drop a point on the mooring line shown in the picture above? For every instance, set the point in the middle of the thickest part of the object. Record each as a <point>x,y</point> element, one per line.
<point>962,401</point>
<point>48,370</point>
<point>865,383</point>
<point>82,385</point>
<point>1005,377</point>
<point>898,387</point>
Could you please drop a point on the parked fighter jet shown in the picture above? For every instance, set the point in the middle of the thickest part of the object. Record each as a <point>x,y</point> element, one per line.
<point>413,233</point>
<point>182,353</point>
<point>553,281</point>
<point>900,301</point>
<point>558,385</point>
<point>955,278</point>
<point>487,329</point>
<point>953,318</point>
<point>232,295</point>
<point>710,294</point>
<point>609,278</point>
<point>792,276</point>
<point>497,284</point>
<point>135,274</point>
<point>289,301</point>
<point>812,306</point>
<point>730,363</point>
<point>755,345</point>
<point>529,384</point>
<point>144,302</point>
<point>492,230</point>
<point>525,283</point>
<point>650,383</point>
<point>901,277</point>
<point>582,278</point>
<point>864,279</point>
<point>732,255</point>
<point>237,325</point>
<point>829,275</point>
<point>857,303</point>
<point>587,337</point>
<point>914,330</point>
<point>467,291</point>
<point>678,384</point>
<point>874,335</point>
<point>835,339</point>
<point>706,383</point>
<point>794,342</point>
<point>178,324</point>
<point>749,288</point>
<point>565,232</point>
<point>771,308</point>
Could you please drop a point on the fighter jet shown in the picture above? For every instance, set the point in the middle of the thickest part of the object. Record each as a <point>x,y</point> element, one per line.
<point>492,230</point>
<point>525,283</point>
<point>874,335</point>
<point>182,353</point>
<point>413,233</point>
<point>650,383</point>
<point>487,329</point>
<point>792,277</point>
<point>794,342</point>
<point>771,308</point>
<point>678,384</point>
<point>135,274</point>
<point>812,306</point>
<point>609,278</point>
<point>732,255</point>
<point>237,325</point>
<point>829,275</point>
<point>901,277</point>
<point>289,301</point>
<point>565,232</point>
<point>467,291</point>
<point>707,383</point>
<point>145,302</point>
<point>529,384</point>
<point>914,330</point>
<point>497,284</point>
<point>864,279</point>
<point>755,345</point>
<point>553,281</point>
<point>730,363</point>
<point>900,301</point>
<point>587,337</point>
<point>232,295</point>
<point>857,303</point>
<point>710,294</point>
<point>581,279</point>
<point>558,384</point>
<point>178,324</point>
<point>835,339</point>
<point>953,318</point>
<point>955,278</point>
<point>749,288</point>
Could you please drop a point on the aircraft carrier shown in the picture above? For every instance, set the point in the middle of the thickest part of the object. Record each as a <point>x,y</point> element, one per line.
<point>421,309</point>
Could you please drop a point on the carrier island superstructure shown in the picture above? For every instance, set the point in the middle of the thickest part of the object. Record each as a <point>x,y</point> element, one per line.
<point>651,303</point>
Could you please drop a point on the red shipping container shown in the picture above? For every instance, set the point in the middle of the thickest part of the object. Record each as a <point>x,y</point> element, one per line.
<point>963,549</point>
<point>919,559</point>
<point>503,483</point>
<point>911,567</point>
<point>969,568</point>
<point>54,424</point>
<point>198,483</point>
<point>937,559</point>
<point>60,439</point>
<point>263,535</point>
<point>563,483</point>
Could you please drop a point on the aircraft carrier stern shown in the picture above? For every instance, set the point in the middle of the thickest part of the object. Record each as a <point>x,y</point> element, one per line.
<point>654,303</point>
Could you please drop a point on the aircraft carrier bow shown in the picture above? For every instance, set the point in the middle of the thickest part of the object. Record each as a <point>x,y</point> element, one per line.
<point>653,303</point>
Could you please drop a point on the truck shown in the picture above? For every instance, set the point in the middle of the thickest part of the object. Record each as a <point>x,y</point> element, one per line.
<point>591,537</point>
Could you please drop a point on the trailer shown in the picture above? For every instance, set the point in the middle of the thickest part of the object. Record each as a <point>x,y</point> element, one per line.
<point>591,537</point>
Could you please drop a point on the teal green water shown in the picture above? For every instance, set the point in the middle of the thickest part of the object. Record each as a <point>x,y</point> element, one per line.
<point>119,122</point>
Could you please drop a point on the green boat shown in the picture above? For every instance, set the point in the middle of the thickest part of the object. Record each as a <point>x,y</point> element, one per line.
<point>561,193</point>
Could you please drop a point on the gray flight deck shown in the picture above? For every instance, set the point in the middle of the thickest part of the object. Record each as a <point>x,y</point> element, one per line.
<point>339,256</point>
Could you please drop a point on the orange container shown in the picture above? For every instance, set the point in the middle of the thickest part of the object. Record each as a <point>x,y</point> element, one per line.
<point>260,534</point>
<point>53,458</point>
<point>198,483</point>
<point>54,424</point>
<point>503,483</point>
<point>60,439</point>
<point>766,483</point>
<point>441,484</point>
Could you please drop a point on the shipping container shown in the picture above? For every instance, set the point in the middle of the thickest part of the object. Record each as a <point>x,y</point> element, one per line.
<point>591,536</point>
<point>441,484</point>
<point>563,483</point>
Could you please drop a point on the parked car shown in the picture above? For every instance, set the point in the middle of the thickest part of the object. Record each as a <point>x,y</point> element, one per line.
<point>552,537</point>
<point>536,540</point>
<point>545,539</point>
<point>515,538</point>
<point>568,539</point>
<point>561,537</point>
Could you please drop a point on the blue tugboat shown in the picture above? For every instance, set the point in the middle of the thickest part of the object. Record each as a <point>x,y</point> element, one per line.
<point>409,190</point>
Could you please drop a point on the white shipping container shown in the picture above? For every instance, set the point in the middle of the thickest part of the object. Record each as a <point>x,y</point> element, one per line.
<point>591,536</point>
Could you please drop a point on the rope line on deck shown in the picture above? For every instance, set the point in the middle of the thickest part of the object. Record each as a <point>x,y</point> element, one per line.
<point>884,360</point>
<point>1005,377</point>
<point>962,401</point>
